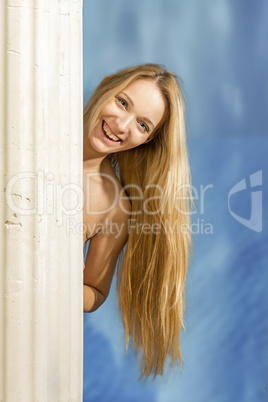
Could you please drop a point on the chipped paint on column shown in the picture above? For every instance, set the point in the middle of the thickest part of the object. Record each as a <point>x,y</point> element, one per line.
<point>41,200</point>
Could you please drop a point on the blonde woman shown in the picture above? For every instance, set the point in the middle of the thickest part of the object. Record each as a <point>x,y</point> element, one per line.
<point>137,191</point>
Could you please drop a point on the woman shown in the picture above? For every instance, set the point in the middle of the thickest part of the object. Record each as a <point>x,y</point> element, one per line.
<point>137,190</point>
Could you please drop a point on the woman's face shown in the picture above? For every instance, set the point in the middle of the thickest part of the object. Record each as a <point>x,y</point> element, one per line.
<point>128,119</point>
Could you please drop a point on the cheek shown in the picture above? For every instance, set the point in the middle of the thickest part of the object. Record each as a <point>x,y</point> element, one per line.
<point>108,109</point>
<point>139,141</point>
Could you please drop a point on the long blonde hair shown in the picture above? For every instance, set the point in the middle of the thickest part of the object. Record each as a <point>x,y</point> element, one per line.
<point>152,273</point>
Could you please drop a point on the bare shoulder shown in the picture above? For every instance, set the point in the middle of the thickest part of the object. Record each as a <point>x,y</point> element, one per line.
<point>121,211</point>
<point>106,204</point>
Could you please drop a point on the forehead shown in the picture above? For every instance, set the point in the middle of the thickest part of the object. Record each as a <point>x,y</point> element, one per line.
<point>147,98</point>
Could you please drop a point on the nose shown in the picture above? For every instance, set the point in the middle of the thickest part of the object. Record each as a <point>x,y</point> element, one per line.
<point>123,123</point>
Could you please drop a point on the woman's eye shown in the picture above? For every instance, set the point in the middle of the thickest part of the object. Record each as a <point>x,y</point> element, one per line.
<point>144,127</point>
<point>122,102</point>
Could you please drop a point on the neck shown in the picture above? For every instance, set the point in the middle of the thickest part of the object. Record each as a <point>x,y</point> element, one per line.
<point>92,160</point>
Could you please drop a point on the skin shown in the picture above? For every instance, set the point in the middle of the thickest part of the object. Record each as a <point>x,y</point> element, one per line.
<point>131,118</point>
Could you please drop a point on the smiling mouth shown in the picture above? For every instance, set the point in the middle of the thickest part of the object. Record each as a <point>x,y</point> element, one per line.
<point>107,132</point>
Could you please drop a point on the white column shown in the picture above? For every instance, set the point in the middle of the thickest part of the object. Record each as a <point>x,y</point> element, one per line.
<point>41,269</point>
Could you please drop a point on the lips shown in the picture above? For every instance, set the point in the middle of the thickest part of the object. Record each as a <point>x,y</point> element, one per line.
<point>109,133</point>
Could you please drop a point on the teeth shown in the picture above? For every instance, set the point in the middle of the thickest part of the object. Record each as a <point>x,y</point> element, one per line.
<point>108,133</point>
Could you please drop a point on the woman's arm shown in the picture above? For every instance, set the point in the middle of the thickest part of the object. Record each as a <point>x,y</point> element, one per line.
<point>103,252</point>
<point>93,299</point>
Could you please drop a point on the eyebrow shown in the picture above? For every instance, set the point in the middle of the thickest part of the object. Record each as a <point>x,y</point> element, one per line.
<point>132,103</point>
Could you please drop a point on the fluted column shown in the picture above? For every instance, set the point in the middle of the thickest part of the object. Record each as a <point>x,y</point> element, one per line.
<point>41,200</point>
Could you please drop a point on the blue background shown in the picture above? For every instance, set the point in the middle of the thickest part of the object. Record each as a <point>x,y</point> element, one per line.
<point>219,49</point>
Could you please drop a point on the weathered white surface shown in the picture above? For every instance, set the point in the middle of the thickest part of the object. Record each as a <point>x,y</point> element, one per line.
<point>40,162</point>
